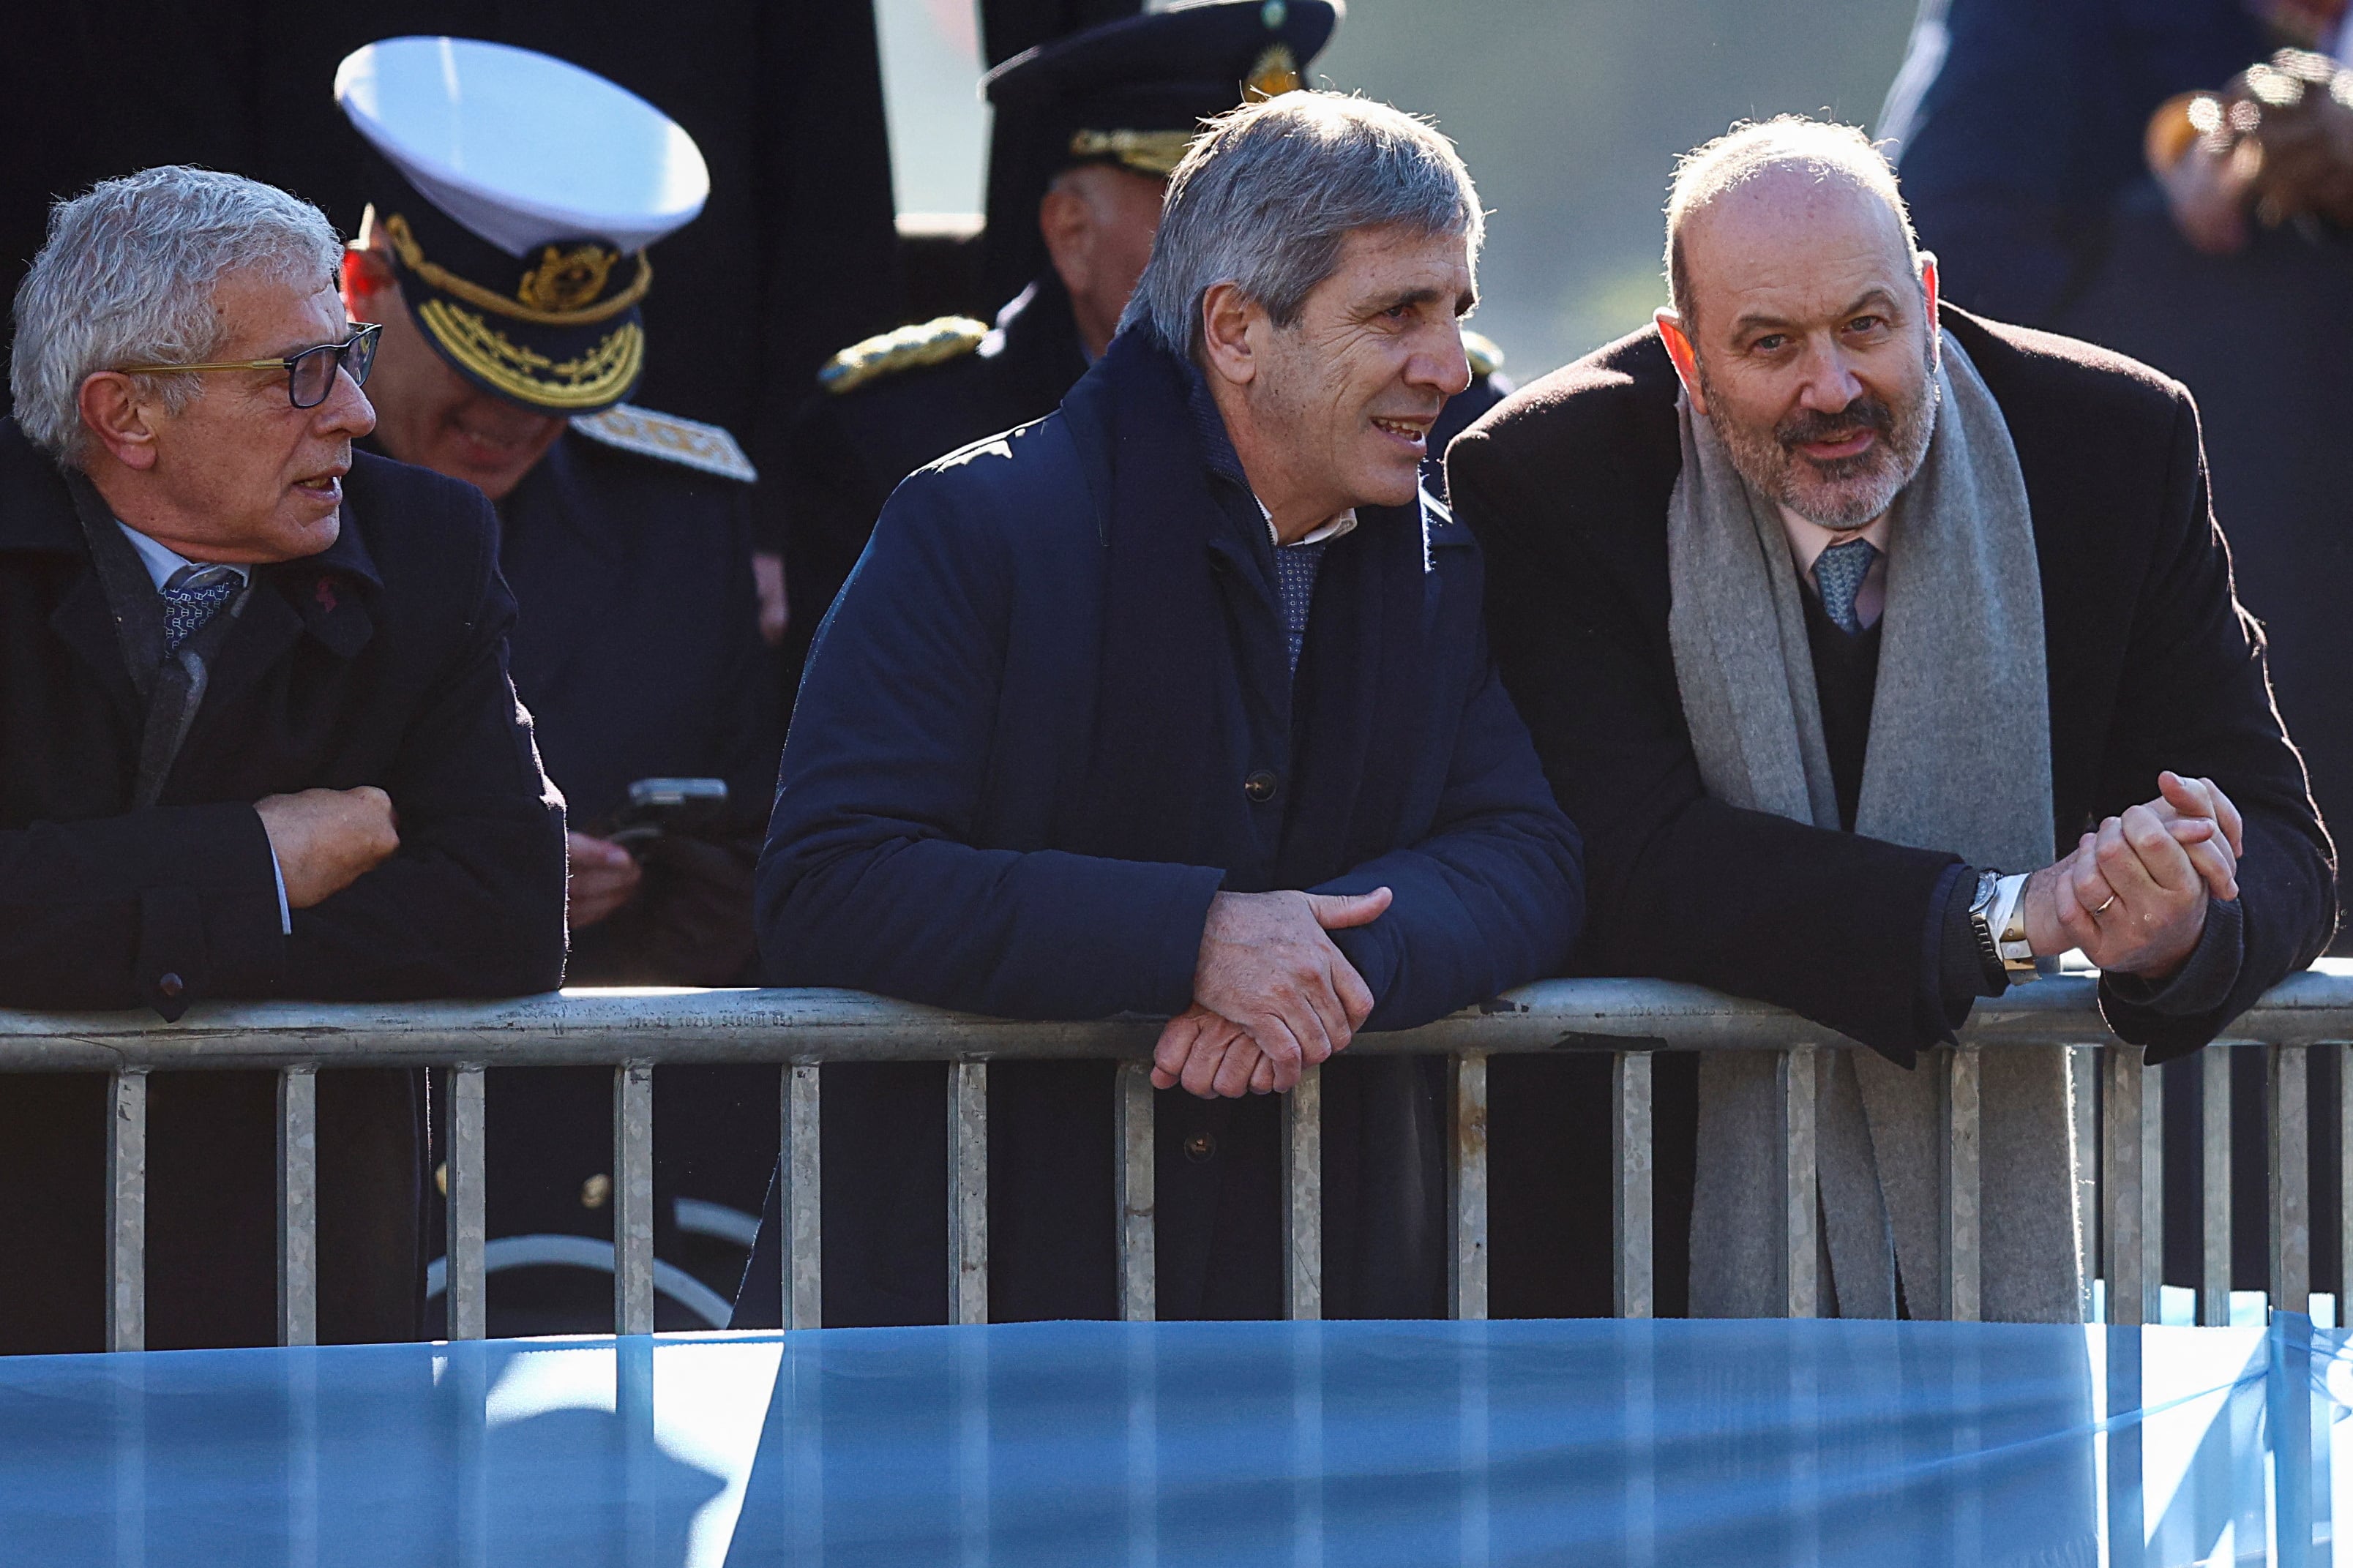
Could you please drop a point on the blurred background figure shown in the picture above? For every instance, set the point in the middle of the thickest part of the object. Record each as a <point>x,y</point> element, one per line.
<point>2170,178</point>
<point>2153,177</point>
<point>1087,128</point>
<point>508,274</point>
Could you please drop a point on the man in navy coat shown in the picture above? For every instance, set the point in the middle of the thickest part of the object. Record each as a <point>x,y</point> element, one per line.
<point>1177,702</point>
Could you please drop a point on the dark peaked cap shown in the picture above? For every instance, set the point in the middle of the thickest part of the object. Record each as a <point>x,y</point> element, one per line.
<point>1130,92</point>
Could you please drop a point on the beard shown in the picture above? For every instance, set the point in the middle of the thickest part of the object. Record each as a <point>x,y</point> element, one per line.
<point>1844,493</point>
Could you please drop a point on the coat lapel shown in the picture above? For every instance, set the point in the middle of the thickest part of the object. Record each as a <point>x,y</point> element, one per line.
<point>325,596</point>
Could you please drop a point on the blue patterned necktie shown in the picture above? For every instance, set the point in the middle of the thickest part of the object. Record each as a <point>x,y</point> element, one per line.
<point>192,596</point>
<point>1838,571</point>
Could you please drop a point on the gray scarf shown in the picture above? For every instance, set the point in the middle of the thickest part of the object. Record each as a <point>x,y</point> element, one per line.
<point>1958,759</point>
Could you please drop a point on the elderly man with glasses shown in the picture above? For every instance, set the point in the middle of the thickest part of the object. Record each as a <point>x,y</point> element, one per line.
<point>256,739</point>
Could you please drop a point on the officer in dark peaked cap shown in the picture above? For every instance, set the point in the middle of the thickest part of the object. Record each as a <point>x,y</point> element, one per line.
<point>507,271</point>
<point>1087,129</point>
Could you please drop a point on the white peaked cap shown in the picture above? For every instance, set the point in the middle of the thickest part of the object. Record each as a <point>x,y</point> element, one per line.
<point>523,148</point>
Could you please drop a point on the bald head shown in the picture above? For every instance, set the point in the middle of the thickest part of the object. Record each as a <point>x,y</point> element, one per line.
<point>1804,321</point>
<point>1761,192</point>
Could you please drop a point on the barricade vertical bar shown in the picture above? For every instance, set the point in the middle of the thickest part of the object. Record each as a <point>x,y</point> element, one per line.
<point>2152,1194</point>
<point>1302,1229</point>
<point>2214,1186</point>
<point>1962,1199</point>
<point>1466,1172</point>
<point>298,1206</point>
<point>1632,1162</point>
<point>633,1198</point>
<point>2083,1110</point>
<point>800,1205</point>
<point>2344,1186</point>
<point>968,1191</point>
<point>2291,1179</point>
<point>1131,1181</point>
<point>2121,1178</point>
<point>468,1304</point>
<point>2136,1108</point>
<point>641,1457</point>
<point>1800,1255</point>
<point>126,1211</point>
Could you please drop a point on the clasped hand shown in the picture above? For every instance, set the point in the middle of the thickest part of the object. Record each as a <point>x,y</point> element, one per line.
<point>2132,894</point>
<point>1271,993</point>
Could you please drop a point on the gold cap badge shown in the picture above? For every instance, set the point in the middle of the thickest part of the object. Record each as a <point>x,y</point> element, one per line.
<point>565,279</point>
<point>1274,73</point>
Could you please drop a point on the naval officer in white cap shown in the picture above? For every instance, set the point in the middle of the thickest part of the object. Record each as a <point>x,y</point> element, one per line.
<point>506,253</point>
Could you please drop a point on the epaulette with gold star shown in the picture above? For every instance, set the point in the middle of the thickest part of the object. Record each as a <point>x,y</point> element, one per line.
<point>934,342</point>
<point>669,438</point>
<point>1481,350</point>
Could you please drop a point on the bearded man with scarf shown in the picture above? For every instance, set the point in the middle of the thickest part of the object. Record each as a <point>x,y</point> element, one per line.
<point>1178,702</point>
<point>1879,662</point>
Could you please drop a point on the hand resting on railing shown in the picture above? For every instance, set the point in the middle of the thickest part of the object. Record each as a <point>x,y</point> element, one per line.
<point>326,839</point>
<point>1271,993</point>
<point>2132,894</point>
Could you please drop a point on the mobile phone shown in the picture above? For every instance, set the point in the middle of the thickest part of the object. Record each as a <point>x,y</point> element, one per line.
<point>661,807</point>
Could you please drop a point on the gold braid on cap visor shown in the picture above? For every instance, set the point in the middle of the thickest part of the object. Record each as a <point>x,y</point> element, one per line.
<point>594,379</point>
<point>1153,152</point>
<point>412,255</point>
<point>1157,152</point>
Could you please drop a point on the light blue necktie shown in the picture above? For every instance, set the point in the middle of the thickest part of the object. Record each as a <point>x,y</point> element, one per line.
<point>1838,571</point>
<point>192,596</point>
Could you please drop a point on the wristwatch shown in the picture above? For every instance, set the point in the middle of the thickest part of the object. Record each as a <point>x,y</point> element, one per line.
<point>1982,904</point>
<point>1998,921</point>
<point>2008,923</point>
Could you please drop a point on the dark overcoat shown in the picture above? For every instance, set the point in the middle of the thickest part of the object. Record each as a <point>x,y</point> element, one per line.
<point>2152,665</point>
<point>382,660</point>
<point>937,764</point>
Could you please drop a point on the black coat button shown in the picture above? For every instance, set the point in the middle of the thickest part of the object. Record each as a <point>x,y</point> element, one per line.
<point>170,984</point>
<point>1199,1147</point>
<point>1260,786</point>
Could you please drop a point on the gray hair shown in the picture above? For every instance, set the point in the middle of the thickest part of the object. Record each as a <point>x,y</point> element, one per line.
<point>1828,152</point>
<point>127,275</point>
<point>1268,192</point>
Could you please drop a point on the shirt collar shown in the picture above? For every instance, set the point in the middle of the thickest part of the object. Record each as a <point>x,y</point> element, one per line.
<point>1344,523</point>
<point>162,561</point>
<point>1809,539</point>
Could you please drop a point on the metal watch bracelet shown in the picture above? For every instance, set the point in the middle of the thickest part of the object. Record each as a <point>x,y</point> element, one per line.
<point>2009,924</point>
<point>1982,902</point>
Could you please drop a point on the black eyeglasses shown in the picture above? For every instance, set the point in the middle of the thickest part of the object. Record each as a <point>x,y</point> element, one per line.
<point>310,375</point>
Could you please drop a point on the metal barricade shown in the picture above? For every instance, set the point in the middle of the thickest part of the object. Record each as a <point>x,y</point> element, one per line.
<point>633,1032</point>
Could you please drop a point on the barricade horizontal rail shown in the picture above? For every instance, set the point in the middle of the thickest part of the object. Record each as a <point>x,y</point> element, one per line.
<point>633,1031</point>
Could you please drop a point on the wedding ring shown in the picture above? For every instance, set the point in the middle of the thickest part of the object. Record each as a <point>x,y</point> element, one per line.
<point>2104,908</point>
